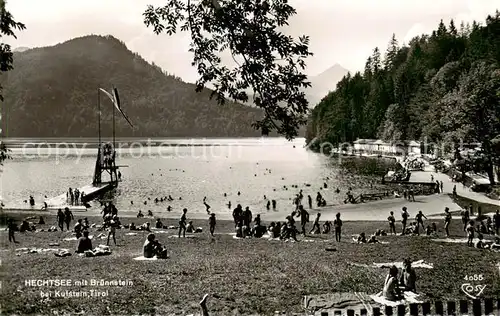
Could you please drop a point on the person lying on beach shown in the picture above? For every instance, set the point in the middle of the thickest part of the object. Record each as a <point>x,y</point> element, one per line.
<point>373,240</point>
<point>153,248</point>
<point>391,289</point>
<point>327,227</point>
<point>361,238</point>
<point>158,223</point>
<point>496,244</point>
<point>78,228</point>
<point>380,232</point>
<point>84,243</point>
<point>408,277</point>
<point>479,243</point>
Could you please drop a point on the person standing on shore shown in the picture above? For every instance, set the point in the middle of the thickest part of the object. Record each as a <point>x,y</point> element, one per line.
<point>182,223</point>
<point>304,219</point>
<point>11,227</point>
<point>115,222</point>
<point>211,223</point>
<point>447,221</point>
<point>392,223</point>
<point>237,213</point>
<point>470,233</point>
<point>68,216</point>
<point>496,220</point>
<point>337,224</point>
<point>404,220</point>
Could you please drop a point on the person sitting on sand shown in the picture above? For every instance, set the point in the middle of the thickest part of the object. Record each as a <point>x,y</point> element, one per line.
<point>496,221</point>
<point>392,223</point>
<point>258,230</point>
<point>470,232</point>
<point>140,215</point>
<point>361,238</point>
<point>150,213</point>
<point>408,277</point>
<point>182,223</point>
<point>145,226</point>
<point>479,243</point>
<point>327,227</point>
<point>428,230</point>
<point>41,221</point>
<point>25,226</point>
<point>190,227</point>
<point>158,223</point>
<point>316,228</point>
<point>211,223</point>
<point>489,226</point>
<point>78,228</point>
<point>391,290</point>
<point>153,248</point>
<point>84,243</point>
<point>86,224</point>
<point>373,240</point>
<point>380,232</point>
<point>482,228</point>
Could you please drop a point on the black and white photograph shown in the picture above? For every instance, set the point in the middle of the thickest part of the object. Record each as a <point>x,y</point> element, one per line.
<point>250,157</point>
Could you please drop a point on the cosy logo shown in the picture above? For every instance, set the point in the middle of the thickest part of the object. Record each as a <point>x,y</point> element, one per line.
<point>473,291</point>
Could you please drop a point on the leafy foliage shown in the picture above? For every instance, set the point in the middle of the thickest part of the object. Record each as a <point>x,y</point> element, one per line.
<point>52,92</point>
<point>268,62</point>
<point>441,88</point>
<point>7,27</point>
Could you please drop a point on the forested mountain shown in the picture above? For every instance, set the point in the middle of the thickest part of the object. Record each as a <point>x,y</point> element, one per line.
<point>443,87</point>
<point>52,92</point>
<point>323,83</point>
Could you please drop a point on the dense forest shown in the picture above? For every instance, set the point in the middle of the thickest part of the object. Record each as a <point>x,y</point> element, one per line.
<point>441,88</point>
<point>52,92</point>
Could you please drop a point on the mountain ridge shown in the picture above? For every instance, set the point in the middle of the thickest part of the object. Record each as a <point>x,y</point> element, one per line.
<point>54,88</point>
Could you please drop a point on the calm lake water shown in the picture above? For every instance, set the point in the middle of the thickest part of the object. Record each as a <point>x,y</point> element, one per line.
<point>187,168</point>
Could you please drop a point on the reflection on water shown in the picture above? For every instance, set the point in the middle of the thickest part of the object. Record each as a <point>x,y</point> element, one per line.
<point>255,167</point>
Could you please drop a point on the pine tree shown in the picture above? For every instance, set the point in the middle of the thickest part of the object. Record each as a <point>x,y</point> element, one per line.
<point>391,53</point>
<point>376,61</point>
<point>453,29</point>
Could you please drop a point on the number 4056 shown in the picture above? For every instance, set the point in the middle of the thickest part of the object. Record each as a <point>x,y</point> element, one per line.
<point>475,277</point>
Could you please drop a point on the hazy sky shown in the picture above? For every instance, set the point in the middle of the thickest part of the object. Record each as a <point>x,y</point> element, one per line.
<point>341,31</point>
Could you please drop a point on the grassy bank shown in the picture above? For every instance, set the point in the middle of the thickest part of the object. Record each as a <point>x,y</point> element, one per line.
<point>248,276</point>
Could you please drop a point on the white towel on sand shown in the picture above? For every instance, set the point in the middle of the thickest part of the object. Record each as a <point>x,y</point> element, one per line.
<point>399,265</point>
<point>142,258</point>
<point>410,298</point>
<point>131,234</point>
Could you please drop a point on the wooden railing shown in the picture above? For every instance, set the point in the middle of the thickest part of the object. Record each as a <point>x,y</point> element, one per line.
<point>463,307</point>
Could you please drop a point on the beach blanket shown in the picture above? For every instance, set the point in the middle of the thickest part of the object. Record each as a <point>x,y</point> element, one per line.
<point>337,301</point>
<point>187,236</point>
<point>131,234</point>
<point>399,265</point>
<point>74,238</point>
<point>142,258</point>
<point>409,298</point>
<point>39,250</point>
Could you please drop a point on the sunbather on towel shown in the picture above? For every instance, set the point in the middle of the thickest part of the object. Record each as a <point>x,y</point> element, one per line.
<point>361,238</point>
<point>84,243</point>
<point>408,277</point>
<point>373,240</point>
<point>391,289</point>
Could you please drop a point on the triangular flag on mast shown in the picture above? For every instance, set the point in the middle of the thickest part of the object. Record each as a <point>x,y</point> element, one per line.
<point>116,101</point>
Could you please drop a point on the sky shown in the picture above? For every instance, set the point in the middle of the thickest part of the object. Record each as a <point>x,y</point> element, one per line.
<point>341,31</point>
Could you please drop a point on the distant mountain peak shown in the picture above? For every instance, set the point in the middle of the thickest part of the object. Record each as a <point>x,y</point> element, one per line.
<point>324,82</point>
<point>20,49</point>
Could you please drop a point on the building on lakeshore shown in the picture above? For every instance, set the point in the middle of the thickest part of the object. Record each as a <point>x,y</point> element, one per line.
<point>380,147</point>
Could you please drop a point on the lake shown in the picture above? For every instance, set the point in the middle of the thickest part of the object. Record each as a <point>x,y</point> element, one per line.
<point>187,168</point>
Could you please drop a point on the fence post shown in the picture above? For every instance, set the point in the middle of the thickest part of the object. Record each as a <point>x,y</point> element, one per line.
<point>451,308</point>
<point>476,308</point>
<point>439,308</point>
